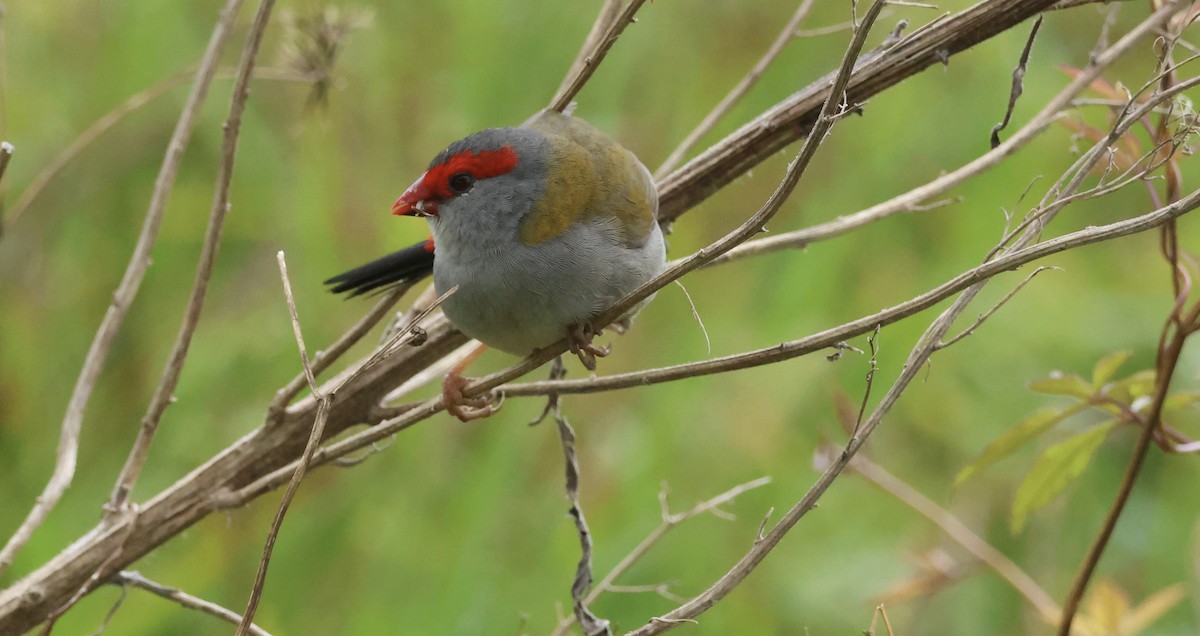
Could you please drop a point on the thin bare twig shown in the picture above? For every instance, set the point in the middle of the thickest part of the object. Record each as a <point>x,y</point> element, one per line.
<point>133,578</point>
<point>592,624</point>
<point>910,200</point>
<point>584,73</point>
<point>112,611</point>
<point>325,400</point>
<point>314,436</point>
<point>1018,84</point>
<point>68,446</point>
<point>735,95</point>
<point>609,12</point>
<point>994,308</point>
<point>669,522</point>
<point>326,357</point>
<point>163,393</point>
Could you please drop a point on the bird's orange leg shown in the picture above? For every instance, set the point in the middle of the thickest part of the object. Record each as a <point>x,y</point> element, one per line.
<point>464,408</point>
<point>580,336</point>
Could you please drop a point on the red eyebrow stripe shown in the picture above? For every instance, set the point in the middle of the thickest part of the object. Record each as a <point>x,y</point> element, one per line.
<point>481,165</point>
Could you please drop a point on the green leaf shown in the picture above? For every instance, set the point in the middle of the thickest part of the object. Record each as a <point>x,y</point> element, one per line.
<point>1059,383</point>
<point>1132,387</point>
<point>1107,366</point>
<point>1054,470</point>
<point>1178,402</point>
<point>1025,430</point>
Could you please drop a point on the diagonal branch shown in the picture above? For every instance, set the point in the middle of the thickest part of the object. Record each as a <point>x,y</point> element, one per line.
<point>795,116</point>
<point>582,73</point>
<point>163,394</point>
<point>609,12</point>
<point>738,92</point>
<point>113,117</point>
<point>135,579</point>
<point>68,446</point>
<point>1046,608</point>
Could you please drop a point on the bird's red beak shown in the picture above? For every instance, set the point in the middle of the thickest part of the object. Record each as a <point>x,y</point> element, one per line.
<point>417,200</point>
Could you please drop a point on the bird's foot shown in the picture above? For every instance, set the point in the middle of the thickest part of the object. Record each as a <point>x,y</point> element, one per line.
<point>580,337</point>
<point>467,409</point>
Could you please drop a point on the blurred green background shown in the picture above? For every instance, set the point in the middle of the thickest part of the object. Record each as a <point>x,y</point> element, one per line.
<point>460,529</point>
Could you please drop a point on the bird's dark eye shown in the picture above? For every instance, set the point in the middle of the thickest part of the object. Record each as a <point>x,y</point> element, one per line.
<point>461,182</point>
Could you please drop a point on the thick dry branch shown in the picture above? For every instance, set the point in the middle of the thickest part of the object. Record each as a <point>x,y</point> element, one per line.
<point>794,117</point>
<point>68,446</point>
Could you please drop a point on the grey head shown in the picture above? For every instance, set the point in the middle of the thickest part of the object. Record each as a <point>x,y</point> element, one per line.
<point>476,192</point>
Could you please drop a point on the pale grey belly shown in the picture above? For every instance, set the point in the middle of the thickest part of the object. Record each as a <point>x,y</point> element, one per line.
<point>522,298</point>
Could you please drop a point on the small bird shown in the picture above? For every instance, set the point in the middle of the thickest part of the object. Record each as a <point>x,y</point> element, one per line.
<point>541,227</point>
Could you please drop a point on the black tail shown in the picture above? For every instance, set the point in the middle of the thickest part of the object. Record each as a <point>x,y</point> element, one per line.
<point>409,264</point>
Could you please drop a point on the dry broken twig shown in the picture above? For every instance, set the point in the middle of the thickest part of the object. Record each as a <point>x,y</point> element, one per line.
<point>132,578</point>
<point>314,437</point>
<point>669,522</point>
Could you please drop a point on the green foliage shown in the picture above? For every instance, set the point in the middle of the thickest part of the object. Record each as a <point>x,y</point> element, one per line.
<point>1025,431</point>
<point>1063,462</point>
<point>1054,470</point>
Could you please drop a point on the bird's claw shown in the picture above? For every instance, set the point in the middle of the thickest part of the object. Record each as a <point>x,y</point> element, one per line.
<point>468,409</point>
<point>580,338</point>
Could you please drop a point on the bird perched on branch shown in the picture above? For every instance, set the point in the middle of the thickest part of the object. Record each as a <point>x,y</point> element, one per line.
<point>542,227</point>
